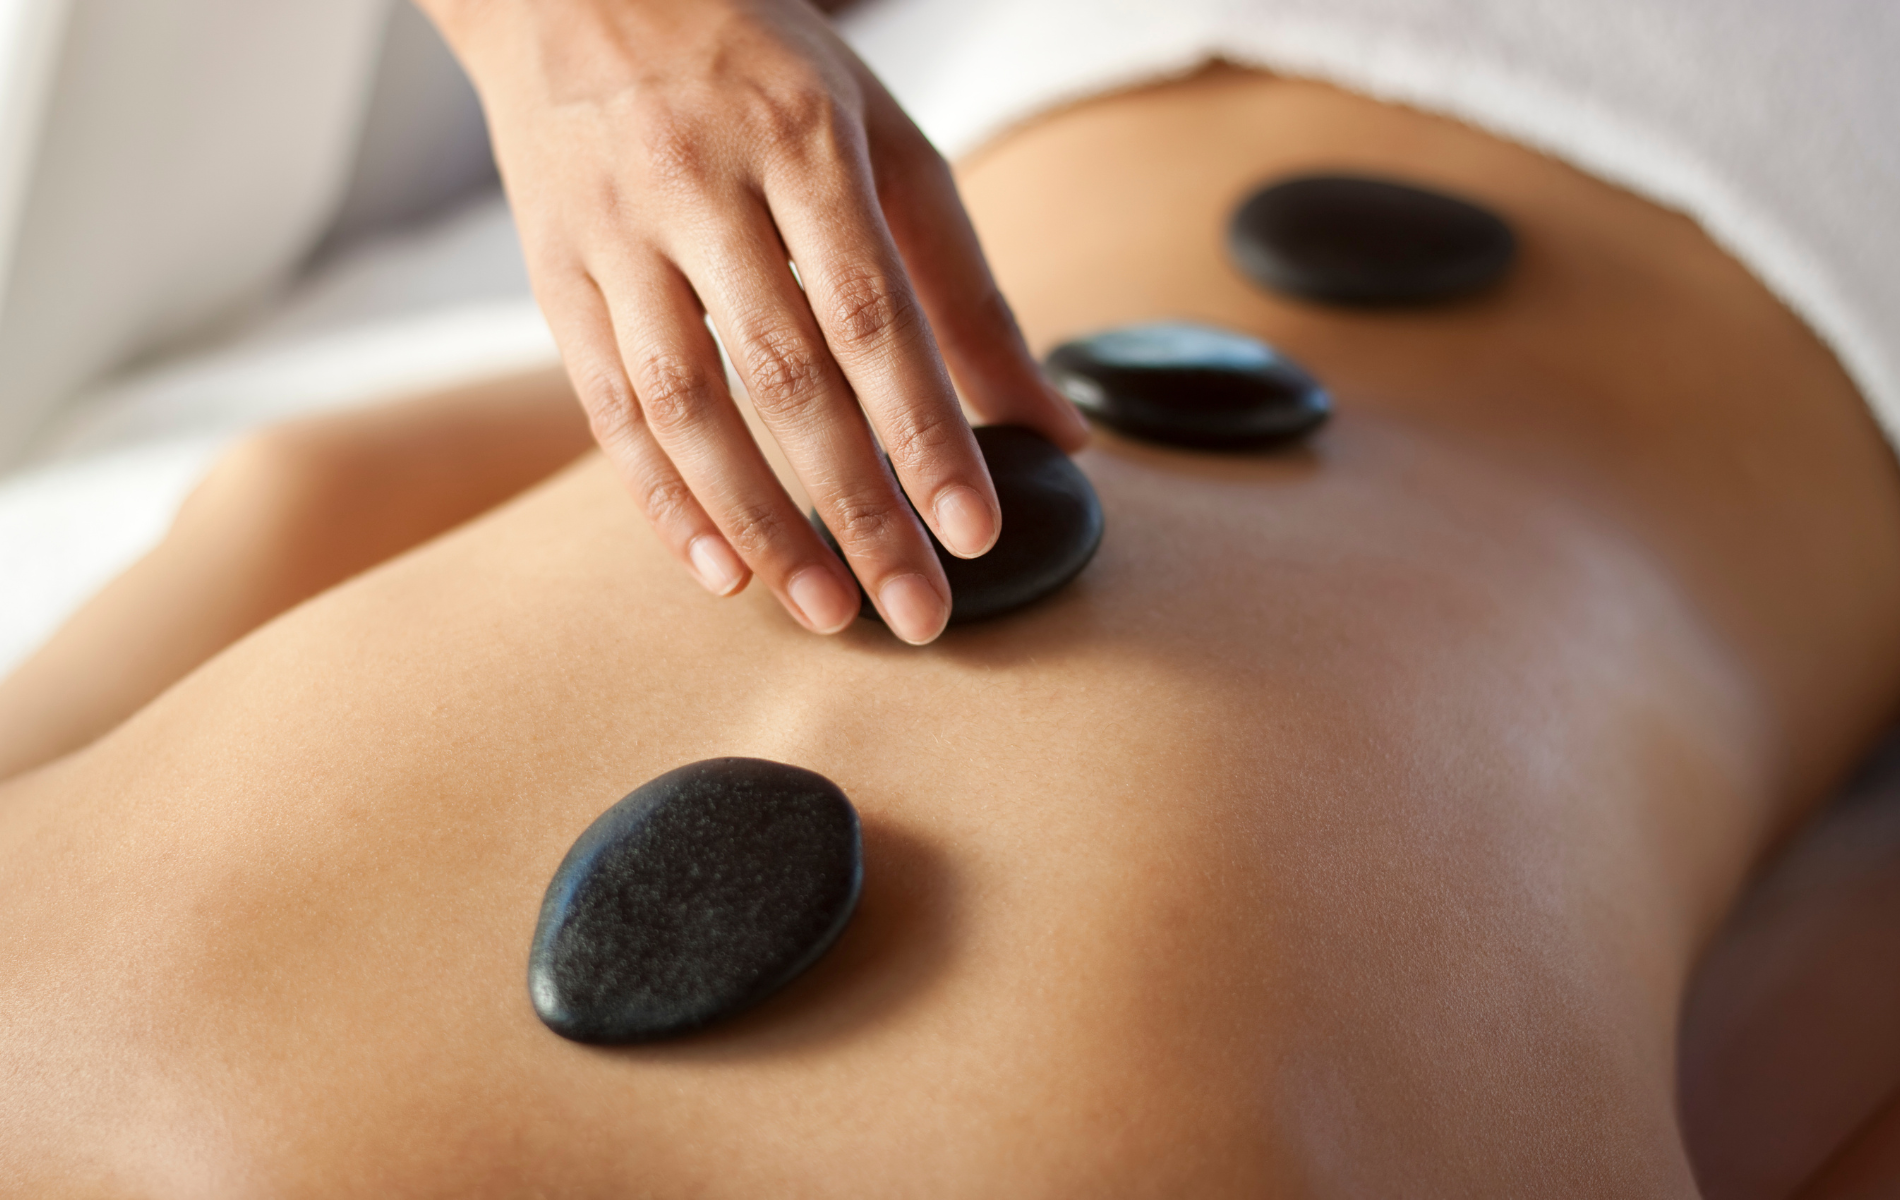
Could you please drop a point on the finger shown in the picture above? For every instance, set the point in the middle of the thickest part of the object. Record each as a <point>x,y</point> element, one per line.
<point>981,342</point>
<point>877,333</point>
<point>680,384</point>
<point>790,376</point>
<point>584,332</point>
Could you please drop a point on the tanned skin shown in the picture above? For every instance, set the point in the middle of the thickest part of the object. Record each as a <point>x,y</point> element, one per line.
<point>1352,826</point>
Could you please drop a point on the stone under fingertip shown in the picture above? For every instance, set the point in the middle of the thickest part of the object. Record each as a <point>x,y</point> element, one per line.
<point>1051,527</point>
<point>695,897</point>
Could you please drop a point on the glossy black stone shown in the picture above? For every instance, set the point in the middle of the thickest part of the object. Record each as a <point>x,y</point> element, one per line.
<point>1189,385</point>
<point>697,896</point>
<point>1052,524</point>
<point>1347,239</point>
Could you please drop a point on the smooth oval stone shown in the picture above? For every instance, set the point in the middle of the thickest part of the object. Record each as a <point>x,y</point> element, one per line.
<point>1189,385</point>
<point>1347,239</point>
<point>1052,524</point>
<point>696,897</point>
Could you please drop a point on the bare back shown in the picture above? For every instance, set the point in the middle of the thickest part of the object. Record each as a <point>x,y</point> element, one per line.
<point>1349,827</point>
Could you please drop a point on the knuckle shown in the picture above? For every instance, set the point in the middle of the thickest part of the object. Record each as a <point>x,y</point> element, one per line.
<point>674,392</point>
<point>810,130</point>
<point>861,519</point>
<point>796,114</point>
<point>920,439</point>
<point>867,310</point>
<point>667,501</point>
<point>612,413</point>
<point>752,529</point>
<point>676,151</point>
<point>786,374</point>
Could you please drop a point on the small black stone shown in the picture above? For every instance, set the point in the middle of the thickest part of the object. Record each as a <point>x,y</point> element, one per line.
<point>1347,239</point>
<point>1189,385</point>
<point>697,896</point>
<point>1052,524</point>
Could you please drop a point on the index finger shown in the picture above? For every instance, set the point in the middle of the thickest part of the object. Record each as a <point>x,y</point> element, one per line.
<point>868,313</point>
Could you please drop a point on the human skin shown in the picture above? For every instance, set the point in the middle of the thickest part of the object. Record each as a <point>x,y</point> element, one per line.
<point>664,160</point>
<point>1791,1057</point>
<point>1350,827</point>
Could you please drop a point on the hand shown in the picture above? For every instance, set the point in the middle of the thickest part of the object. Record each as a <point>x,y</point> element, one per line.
<point>667,160</point>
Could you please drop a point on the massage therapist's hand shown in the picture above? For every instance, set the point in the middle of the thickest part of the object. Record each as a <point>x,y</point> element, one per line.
<point>665,159</point>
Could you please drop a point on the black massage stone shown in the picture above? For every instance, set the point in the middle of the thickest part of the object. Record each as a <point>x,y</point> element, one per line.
<point>1052,524</point>
<point>697,896</point>
<point>1189,385</point>
<point>1346,239</point>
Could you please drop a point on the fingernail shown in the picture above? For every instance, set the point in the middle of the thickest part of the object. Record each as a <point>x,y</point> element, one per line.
<point>913,609</point>
<point>965,524</point>
<point>824,601</point>
<point>719,569</point>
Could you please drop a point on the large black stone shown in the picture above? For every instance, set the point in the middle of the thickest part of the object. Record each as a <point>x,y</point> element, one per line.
<point>1347,239</point>
<point>697,896</point>
<point>1052,524</point>
<point>1189,385</point>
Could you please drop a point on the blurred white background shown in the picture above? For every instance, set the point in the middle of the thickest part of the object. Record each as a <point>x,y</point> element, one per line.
<point>214,214</point>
